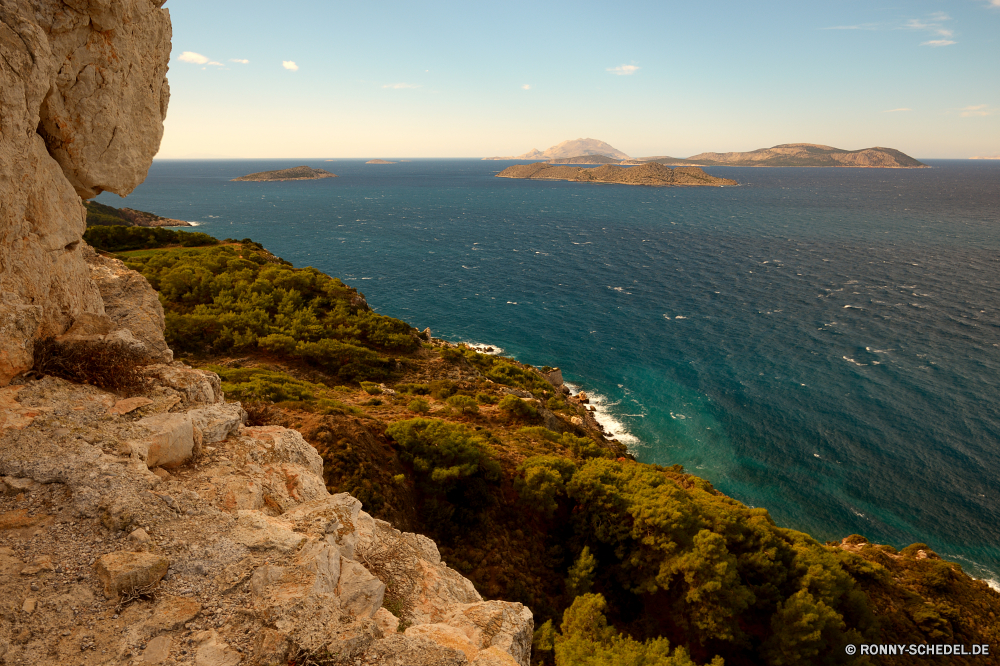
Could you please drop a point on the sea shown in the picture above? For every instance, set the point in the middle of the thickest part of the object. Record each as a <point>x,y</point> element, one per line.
<point>821,342</point>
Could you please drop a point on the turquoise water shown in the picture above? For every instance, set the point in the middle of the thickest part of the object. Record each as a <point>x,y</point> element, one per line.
<point>820,342</point>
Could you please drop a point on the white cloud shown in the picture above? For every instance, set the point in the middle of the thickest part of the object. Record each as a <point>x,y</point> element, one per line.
<point>400,86</point>
<point>994,3</point>
<point>526,87</point>
<point>192,57</point>
<point>976,111</point>
<point>624,70</point>
<point>290,65</point>
<point>933,24</point>
<point>895,110</point>
<point>242,61</point>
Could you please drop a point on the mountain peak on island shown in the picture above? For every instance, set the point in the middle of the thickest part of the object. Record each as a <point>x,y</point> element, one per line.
<point>571,148</point>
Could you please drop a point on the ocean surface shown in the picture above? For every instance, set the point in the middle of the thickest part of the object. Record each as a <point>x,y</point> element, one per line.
<point>819,342</point>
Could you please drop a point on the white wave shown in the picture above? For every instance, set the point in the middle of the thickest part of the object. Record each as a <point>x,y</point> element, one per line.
<point>483,348</point>
<point>992,582</point>
<point>196,224</point>
<point>602,414</point>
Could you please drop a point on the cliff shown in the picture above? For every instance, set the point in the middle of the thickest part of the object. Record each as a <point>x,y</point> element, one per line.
<point>810,155</point>
<point>294,173</point>
<point>84,94</point>
<point>652,174</point>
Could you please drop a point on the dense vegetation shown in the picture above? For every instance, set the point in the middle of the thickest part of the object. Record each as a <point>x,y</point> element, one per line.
<point>124,239</point>
<point>621,562</point>
<point>237,298</point>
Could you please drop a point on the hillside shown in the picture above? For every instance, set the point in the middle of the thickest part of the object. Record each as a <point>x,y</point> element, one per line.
<point>524,494</point>
<point>651,174</point>
<point>101,215</point>
<point>810,155</point>
<point>294,173</point>
<point>571,148</point>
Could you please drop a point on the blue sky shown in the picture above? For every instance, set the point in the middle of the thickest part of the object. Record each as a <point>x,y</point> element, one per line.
<point>472,79</point>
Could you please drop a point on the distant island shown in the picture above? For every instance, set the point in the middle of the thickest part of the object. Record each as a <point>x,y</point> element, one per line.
<point>593,151</point>
<point>294,173</point>
<point>802,155</point>
<point>588,159</point>
<point>379,162</point>
<point>109,216</point>
<point>650,173</point>
<point>574,148</point>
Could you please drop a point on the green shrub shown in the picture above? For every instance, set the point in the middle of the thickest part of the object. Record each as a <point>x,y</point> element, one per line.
<point>371,388</point>
<point>581,574</point>
<point>413,389</point>
<point>587,640</point>
<point>443,389</point>
<point>517,408</point>
<point>455,468</point>
<point>486,399</point>
<point>418,406</point>
<point>541,482</point>
<point>463,403</point>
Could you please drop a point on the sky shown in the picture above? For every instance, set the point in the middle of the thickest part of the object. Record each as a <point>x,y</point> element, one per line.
<point>329,79</point>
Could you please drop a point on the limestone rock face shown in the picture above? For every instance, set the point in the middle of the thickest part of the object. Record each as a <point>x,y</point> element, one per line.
<point>82,102</point>
<point>130,303</point>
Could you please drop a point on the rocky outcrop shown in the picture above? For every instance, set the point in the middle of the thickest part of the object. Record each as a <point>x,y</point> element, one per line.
<point>83,95</point>
<point>236,553</point>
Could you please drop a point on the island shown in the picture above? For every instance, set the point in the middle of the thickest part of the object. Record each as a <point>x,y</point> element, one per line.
<point>594,151</point>
<point>109,216</point>
<point>571,149</point>
<point>650,173</point>
<point>294,173</point>
<point>802,155</point>
<point>379,162</point>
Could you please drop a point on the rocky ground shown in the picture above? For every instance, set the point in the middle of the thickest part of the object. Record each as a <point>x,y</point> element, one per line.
<point>161,529</point>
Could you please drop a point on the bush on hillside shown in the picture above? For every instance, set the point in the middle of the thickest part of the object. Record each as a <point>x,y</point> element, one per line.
<point>240,298</point>
<point>122,238</point>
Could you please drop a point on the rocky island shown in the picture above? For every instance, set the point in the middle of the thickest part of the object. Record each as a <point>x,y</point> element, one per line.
<point>652,173</point>
<point>379,162</point>
<point>294,173</point>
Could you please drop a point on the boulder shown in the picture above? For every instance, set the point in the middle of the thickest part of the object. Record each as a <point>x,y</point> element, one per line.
<point>170,442</point>
<point>123,572</point>
<point>197,387</point>
<point>130,303</point>
<point>217,422</point>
